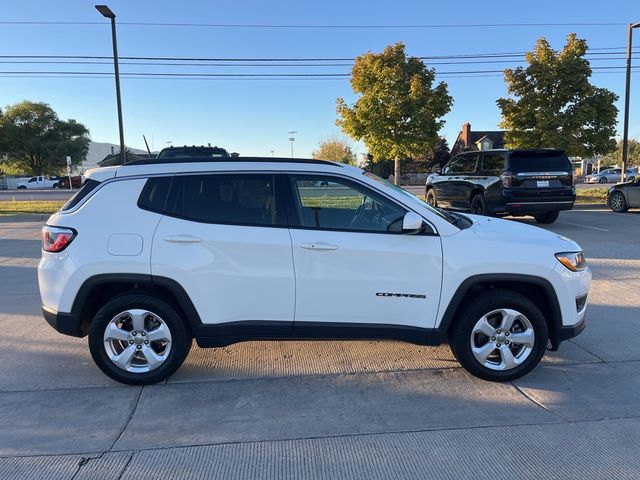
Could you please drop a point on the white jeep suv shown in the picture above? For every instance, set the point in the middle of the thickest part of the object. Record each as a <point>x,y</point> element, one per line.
<point>149,255</point>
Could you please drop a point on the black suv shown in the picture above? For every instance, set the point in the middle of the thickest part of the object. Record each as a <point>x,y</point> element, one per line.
<point>536,182</point>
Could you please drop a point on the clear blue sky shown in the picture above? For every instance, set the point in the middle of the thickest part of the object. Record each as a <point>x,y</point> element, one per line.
<point>254,116</point>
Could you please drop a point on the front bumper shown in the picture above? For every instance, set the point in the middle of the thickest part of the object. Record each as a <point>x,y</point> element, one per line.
<point>64,323</point>
<point>565,333</point>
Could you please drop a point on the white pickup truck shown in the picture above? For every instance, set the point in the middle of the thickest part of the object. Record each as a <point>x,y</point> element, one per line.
<point>38,183</point>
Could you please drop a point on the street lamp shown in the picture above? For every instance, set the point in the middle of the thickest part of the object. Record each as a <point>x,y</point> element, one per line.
<point>107,13</point>
<point>292,139</point>
<point>625,133</point>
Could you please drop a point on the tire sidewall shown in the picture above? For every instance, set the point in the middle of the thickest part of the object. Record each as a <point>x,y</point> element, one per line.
<point>460,340</point>
<point>480,198</point>
<point>624,202</point>
<point>180,338</point>
<point>431,193</point>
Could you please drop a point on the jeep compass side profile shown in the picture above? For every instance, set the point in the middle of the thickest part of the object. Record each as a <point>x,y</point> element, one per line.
<point>150,255</point>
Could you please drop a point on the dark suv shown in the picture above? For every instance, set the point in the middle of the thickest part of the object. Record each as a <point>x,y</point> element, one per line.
<point>506,182</point>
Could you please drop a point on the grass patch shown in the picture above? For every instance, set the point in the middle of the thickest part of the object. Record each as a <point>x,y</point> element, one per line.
<point>592,195</point>
<point>11,207</point>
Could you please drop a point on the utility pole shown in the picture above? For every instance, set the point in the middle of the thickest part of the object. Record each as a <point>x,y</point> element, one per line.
<point>627,88</point>
<point>292,139</point>
<point>107,13</point>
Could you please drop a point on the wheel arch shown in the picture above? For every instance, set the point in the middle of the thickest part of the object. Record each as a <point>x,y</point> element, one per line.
<point>99,289</point>
<point>537,289</point>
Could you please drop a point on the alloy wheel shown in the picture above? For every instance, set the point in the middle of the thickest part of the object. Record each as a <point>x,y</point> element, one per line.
<point>502,339</point>
<point>137,341</point>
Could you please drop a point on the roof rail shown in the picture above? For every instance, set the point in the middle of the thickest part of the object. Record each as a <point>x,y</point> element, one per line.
<point>155,161</point>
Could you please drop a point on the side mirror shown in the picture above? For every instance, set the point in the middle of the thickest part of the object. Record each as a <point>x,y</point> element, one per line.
<point>437,170</point>
<point>412,223</point>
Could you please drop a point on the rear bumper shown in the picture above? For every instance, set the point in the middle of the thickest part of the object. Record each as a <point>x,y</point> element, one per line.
<point>64,323</point>
<point>527,208</point>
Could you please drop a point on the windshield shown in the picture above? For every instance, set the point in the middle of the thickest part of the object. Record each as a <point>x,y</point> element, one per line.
<point>414,198</point>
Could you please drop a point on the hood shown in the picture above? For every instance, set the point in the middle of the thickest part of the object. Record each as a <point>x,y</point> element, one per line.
<point>489,228</point>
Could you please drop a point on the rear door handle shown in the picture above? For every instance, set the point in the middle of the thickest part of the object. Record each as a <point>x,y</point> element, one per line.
<point>182,239</point>
<point>319,246</point>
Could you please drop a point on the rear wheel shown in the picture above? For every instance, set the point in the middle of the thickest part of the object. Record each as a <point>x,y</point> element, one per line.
<point>478,205</point>
<point>500,336</point>
<point>138,339</point>
<point>431,198</point>
<point>548,217</point>
<point>618,202</point>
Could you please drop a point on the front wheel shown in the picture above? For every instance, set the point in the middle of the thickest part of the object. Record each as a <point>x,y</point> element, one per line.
<point>602,180</point>
<point>500,336</point>
<point>431,198</point>
<point>548,217</point>
<point>138,339</point>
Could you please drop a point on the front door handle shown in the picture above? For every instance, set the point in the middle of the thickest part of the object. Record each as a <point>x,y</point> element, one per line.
<point>319,246</point>
<point>182,239</point>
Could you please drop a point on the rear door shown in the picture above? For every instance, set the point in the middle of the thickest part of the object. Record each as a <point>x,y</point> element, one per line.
<point>224,239</point>
<point>353,264</point>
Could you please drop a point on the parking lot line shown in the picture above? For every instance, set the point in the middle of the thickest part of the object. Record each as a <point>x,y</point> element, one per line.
<point>585,226</point>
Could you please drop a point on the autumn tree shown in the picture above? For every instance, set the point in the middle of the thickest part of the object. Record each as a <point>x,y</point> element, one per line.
<point>335,149</point>
<point>399,111</point>
<point>35,140</point>
<point>553,104</point>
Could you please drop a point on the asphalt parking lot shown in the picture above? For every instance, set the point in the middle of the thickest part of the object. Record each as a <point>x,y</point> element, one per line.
<point>370,409</point>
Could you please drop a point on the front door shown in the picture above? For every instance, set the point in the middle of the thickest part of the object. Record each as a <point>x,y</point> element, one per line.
<point>352,262</point>
<point>225,242</point>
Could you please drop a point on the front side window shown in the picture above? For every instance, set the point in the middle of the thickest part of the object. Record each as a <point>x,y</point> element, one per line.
<point>452,167</point>
<point>338,204</point>
<point>237,199</point>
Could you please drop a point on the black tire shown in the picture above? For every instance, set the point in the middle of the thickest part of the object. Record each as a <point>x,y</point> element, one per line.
<point>602,180</point>
<point>181,338</point>
<point>56,185</point>
<point>483,304</point>
<point>22,187</point>
<point>478,204</point>
<point>546,218</point>
<point>618,202</point>
<point>631,179</point>
<point>431,198</point>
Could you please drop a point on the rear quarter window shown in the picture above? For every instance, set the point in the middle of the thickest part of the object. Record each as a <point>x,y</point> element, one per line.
<point>539,162</point>
<point>154,194</point>
<point>88,187</point>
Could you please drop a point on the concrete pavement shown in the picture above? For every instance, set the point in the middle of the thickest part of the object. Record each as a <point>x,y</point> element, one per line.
<point>371,409</point>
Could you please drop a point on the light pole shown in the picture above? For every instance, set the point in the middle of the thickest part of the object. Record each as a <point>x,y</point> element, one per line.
<point>107,13</point>
<point>292,139</point>
<point>625,133</point>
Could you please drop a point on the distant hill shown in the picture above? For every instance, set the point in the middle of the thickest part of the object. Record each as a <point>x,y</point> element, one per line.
<point>97,151</point>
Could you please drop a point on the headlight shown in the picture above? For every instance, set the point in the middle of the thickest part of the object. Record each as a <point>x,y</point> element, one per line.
<point>574,261</point>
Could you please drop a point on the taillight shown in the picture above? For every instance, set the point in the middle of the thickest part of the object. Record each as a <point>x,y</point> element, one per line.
<point>507,179</point>
<point>56,239</point>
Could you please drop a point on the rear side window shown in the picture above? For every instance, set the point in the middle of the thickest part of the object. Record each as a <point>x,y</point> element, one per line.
<point>493,163</point>
<point>236,199</point>
<point>467,164</point>
<point>154,194</point>
<point>539,162</point>
<point>86,189</point>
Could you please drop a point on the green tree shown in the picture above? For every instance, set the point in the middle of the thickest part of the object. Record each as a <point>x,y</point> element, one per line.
<point>555,105</point>
<point>399,110</point>
<point>615,157</point>
<point>35,140</point>
<point>335,149</point>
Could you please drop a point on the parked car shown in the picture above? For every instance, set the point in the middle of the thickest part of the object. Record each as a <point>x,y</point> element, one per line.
<point>39,182</point>
<point>76,182</point>
<point>192,151</point>
<point>624,196</point>
<point>538,182</point>
<point>145,257</point>
<point>611,175</point>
